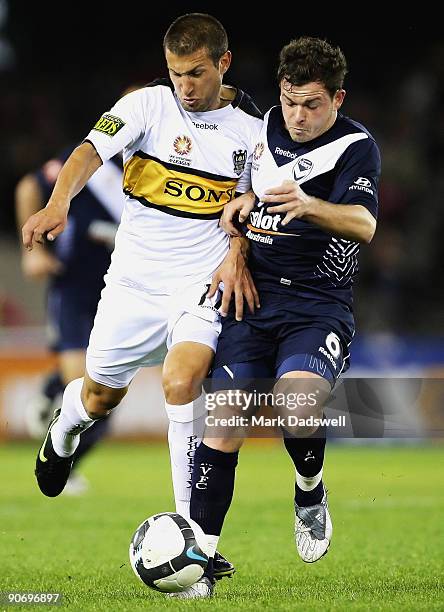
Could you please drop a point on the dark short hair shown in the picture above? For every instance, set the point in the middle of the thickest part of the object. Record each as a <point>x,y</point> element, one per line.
<point>194,31</point>
<point>312,60</point>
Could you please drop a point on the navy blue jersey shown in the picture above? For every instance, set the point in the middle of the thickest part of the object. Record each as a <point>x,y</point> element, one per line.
<point>85,260</point>
<point>340,166</point>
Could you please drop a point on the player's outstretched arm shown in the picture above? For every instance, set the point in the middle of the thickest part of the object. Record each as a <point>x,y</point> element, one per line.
<point>349,221</point>
<point>51,220</point>
<point>236,278</point>
<point>239,208</point>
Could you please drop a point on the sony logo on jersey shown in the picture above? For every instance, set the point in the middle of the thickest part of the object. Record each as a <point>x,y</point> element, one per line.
<point>206,126</point>
<point>267,222</point>
<point>196,193</point>
<point>285,153</point>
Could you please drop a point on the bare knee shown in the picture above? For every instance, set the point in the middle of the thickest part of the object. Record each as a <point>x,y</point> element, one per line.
<point>303,425</point>
<point>181,386</point>
<point>300,432</point>
<point>305,395</point>
<point>184,369</point>
<point>99,399</point>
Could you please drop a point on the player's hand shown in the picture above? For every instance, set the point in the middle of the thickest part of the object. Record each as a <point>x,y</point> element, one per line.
<point>38,264</point>
<point>238,208</point>
<point>296,203</point>
<point>49,222</point>
<point>236,278</point>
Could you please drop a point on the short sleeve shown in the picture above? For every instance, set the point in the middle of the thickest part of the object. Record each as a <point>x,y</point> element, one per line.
<point>357,179</point>
<point>244,183</point>
<point>122,126</point>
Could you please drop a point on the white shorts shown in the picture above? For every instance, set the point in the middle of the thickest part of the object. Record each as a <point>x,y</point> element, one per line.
<point>134,328</point>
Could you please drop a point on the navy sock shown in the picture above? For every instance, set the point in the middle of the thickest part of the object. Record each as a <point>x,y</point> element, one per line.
<point>212,487</point>
<point>309,498</point>
<point>53,386</point>
<point>90,437</point>
<point>307,455</point>
<point>209,570</point>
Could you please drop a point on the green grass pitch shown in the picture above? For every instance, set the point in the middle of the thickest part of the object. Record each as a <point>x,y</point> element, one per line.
<point>387,551</point>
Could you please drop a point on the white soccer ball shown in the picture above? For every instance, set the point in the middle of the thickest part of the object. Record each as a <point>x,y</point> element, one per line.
<point>168,552</point>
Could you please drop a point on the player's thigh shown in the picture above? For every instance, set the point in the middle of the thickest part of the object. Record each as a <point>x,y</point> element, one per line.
<point>129,327</point>
<point>235,394</point>
<point>193,331</point>
<point>253,375</point>
<point>239,388</point>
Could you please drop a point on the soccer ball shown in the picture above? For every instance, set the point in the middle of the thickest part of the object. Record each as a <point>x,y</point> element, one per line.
<point>168,552</point>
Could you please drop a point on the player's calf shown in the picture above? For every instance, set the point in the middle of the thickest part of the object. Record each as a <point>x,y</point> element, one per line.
<point>98,400</point>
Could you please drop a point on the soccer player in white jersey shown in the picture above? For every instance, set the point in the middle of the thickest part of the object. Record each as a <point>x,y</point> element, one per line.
<point>304,240</point>
<point>187,146</point>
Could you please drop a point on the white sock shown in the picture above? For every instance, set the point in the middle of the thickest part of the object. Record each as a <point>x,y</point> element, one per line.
<point>308,483</point>
<point>73,419</point>
<point>212,541</point>
<point>187,424</point>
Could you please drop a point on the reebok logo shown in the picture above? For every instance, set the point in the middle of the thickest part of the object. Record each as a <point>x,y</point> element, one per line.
<point>285,153</point>
<point>329,357</point>
<point>206,126</point>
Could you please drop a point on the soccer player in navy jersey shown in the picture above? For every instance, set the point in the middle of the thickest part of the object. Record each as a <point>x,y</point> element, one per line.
<point>315,176</point>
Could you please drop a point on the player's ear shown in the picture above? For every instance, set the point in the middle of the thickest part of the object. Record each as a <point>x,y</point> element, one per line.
<point>224,62</point>
<point>338,98</point>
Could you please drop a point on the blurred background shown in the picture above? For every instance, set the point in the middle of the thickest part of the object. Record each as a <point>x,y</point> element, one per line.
<point>60,70</point>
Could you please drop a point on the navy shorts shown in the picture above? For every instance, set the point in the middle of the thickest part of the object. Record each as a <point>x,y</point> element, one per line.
<point>288,333</point>
<point>70,313</point>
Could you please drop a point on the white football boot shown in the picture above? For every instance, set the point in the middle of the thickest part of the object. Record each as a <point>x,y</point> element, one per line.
<point>199,590</point>
<point>313,530</point>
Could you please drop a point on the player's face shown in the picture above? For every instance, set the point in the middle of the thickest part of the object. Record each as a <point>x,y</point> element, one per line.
<point>197,81</point>
<point>308,110</point>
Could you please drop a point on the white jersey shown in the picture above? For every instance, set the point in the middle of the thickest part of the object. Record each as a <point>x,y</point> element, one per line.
<point>180,169</point>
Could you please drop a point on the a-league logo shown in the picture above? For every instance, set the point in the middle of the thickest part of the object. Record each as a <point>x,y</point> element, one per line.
<point>182,144</point>
<point>258,150</point>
